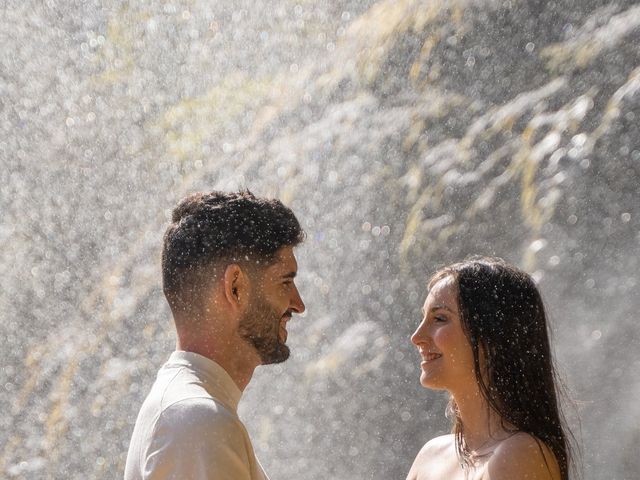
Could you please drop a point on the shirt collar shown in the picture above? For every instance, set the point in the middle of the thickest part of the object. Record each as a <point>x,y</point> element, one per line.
<point>215,378</point>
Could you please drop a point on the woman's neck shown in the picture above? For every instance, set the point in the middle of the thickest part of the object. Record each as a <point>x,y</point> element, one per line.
<point>483,427</point>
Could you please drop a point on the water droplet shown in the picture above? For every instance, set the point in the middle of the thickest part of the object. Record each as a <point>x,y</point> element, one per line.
<point>538,245</point>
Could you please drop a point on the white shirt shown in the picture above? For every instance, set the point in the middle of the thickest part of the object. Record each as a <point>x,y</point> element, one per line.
<point>188,426</point>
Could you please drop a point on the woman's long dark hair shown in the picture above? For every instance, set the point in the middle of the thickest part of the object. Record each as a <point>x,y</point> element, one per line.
<point>503,317</point>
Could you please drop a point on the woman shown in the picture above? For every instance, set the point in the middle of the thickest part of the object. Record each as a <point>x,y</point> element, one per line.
<point>483,338</point>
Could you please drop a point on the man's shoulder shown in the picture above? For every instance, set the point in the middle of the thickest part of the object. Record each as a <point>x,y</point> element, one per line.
<point>179,405</point>
<point>194,437</point>
<point>197,414</point>
<point>198,424</point>
<point>179,390</point>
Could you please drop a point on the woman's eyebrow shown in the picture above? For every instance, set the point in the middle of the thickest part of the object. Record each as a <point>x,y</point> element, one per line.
<point>441,307</point>
<point>437,307</point>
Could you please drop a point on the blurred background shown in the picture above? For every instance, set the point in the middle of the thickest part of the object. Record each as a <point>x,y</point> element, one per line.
<point>405,134</point>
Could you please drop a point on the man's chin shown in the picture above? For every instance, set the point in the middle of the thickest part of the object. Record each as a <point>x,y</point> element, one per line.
<point>277,355</point>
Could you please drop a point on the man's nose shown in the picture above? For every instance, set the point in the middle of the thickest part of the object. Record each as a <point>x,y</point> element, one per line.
<point>296,304</point>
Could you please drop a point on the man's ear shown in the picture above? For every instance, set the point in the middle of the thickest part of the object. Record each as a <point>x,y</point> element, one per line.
<point>235,286</point>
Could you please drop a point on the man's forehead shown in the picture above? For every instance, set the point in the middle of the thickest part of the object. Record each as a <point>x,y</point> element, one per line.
<point>284,259</point>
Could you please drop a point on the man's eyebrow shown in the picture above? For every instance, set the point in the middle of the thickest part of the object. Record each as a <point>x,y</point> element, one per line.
<point>289,275</point>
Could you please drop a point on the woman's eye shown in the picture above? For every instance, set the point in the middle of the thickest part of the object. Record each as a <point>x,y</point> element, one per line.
<point>439,319</point>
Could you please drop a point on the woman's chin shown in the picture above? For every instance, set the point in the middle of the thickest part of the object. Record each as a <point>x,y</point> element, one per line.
<point>430,383</point>
<point>425,381</point>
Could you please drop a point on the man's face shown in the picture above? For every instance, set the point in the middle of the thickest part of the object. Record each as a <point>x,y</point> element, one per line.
<point>274,299</point>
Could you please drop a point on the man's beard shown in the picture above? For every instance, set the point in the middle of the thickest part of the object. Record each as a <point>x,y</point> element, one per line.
<point>261,328</point>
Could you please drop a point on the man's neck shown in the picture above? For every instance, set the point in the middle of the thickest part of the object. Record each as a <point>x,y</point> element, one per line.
<point>239,368</point>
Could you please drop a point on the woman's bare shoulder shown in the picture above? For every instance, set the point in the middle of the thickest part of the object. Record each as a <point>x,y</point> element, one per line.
<point>436,449</point>
<point>431,455</point>
<point>438,445</point>
<point>522,456</point>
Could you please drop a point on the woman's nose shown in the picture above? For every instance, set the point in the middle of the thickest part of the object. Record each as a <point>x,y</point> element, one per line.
<point>419,335</point>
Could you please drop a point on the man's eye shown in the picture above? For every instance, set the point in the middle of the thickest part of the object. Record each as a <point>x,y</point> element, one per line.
<point>439,319</point>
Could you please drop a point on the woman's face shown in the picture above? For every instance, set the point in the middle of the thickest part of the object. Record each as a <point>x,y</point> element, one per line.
<point>447,358</point>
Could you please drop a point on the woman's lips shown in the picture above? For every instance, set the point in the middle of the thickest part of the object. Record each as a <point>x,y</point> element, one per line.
<point>429,357</point>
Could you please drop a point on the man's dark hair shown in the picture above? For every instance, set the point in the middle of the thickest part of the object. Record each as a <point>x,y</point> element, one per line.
<point>209,228</point>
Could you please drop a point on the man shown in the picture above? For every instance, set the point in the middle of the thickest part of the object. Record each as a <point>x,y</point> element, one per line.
<point>228,271</point>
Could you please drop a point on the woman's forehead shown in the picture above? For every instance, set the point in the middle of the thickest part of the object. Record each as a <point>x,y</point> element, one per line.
<point>442,292</point>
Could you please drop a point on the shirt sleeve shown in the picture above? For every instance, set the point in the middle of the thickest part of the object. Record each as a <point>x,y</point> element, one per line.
<point>197,439</point>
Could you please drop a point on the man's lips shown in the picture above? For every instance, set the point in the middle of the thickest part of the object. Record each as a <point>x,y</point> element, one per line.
<point>283,327</point>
